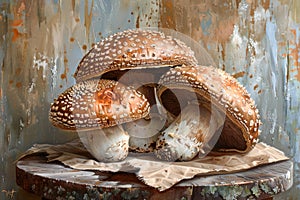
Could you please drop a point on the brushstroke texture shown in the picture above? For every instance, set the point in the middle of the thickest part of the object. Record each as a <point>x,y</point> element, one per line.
<point>42,42</point>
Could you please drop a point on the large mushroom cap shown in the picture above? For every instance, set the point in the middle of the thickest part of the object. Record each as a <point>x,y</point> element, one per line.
<point>133,49</point>
<point>97,104</point>
<point>214,88</point>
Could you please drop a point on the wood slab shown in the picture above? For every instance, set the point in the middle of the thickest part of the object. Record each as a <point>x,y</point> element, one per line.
<point>52,180</point>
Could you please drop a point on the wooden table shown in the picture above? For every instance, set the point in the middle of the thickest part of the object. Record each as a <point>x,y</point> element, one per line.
<point>56,181</point>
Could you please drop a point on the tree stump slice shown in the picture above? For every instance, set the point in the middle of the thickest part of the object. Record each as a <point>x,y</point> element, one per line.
<point>52,180</point>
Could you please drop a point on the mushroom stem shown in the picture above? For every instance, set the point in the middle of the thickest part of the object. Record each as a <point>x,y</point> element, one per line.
<point>144,132</point>
<point>191,133</point>
<point>107,144</point>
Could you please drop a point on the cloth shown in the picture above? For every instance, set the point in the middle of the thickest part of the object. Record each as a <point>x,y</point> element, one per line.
<point>156,173</point>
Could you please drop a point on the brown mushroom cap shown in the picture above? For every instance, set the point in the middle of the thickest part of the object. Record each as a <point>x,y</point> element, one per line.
<point>214,87</point>
<point>133,49</point>
<point>97,104</point>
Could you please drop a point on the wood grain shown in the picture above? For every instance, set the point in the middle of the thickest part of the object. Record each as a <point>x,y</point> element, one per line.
<point>52,180</point>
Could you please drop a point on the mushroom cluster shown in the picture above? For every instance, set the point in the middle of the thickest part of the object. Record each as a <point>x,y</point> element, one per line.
<point>144,91</point>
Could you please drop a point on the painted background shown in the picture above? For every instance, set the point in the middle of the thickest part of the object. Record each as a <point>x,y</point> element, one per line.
<point>41,43</point>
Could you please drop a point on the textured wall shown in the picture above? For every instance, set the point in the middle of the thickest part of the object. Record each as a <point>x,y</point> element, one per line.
<point>41,43</point>
<point>257,41</point>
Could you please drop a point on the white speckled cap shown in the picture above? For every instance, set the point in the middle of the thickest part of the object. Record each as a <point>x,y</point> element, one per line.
<point>97,104</point>
<point>134,49</point>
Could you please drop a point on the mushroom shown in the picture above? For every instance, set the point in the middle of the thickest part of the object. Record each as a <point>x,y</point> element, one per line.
<point>147,50</point>
<point>137,58</point>
<point>96,109</point>
<point>225,118</point>
<point>134,57</point>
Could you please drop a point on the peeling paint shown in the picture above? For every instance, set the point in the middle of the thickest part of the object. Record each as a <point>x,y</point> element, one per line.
<point>294,53</point>
<point>88,14</point>
<point>40,62</point>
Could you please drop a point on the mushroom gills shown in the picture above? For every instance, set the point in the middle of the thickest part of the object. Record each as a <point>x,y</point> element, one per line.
<point>136,75</point>
<point>190,134</point>
<point>231,139</point>
<point>107,144</point>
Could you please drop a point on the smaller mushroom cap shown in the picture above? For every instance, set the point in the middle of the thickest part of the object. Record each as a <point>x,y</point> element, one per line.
<point>214,88</point>
<point>97,104</point>
<point>133,49</point>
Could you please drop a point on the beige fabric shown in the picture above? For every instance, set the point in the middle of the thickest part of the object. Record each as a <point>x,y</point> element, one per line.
<point>155,173</point>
